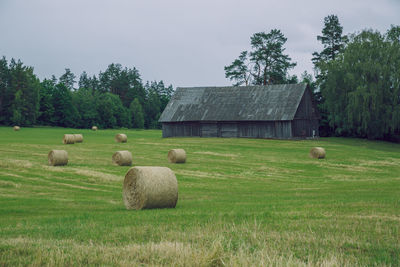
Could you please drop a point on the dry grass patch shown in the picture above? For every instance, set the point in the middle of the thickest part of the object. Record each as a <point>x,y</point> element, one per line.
<point>9,184</point>
<point>355,168</point>
<point>217,154</point>
<point>164,253</point>
<point>15,164</point>
<point>388,162</point>
<point>201,174</point>
<point>99,176</point>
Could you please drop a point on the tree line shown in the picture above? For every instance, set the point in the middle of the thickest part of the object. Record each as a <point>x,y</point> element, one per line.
<point>357,77</point>
<point>114,98</point>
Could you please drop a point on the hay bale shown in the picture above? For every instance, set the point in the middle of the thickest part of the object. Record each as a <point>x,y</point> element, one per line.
<point>16,128</point>
<point>94,128</point>
<point>150,187</point>
<point>177,155</point>
<point>78,138</point>
<point>121,138</point>
<point>69,139</point>
<point>122,158</point>
<point>58,158</point>
<point>317,153</point>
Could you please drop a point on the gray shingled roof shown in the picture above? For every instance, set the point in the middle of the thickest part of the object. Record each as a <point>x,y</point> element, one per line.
<point>241,103</point>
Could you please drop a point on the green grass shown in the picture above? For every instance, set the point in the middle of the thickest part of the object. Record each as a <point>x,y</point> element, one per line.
<point>241,202</point>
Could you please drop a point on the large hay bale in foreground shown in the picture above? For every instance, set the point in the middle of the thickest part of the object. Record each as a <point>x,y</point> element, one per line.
<point>317,153</point>
<point>16,128</point>
<point>122,158</point>
<point>121,138</point>
<point>69,139</point>
<point>150,187</point>
<point>94,128</point>
<point>177,155</point>
<point>58,158</point>
<point>78,138</point>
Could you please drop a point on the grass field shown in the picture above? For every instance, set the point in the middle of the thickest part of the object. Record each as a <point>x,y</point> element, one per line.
<point>241,202</point>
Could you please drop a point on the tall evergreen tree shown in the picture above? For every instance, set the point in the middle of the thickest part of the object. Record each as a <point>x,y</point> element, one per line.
<point>24,85</point>
<point>239,71</point>
<point>270,62</point>
<point>334,41</point>
<point>265,64</point>
<point>68,79</point>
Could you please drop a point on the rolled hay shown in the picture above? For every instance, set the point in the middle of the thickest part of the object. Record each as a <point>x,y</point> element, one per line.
<point>317,153</point>
<point>16,128</point>
<point>177,155</point>
<point>58,158</point>
<point>121,138</point>
<point>122,158</point>
<point>150,187</point>
<point>94,128</point>
<point>69,139</point>
<point>78,138</point>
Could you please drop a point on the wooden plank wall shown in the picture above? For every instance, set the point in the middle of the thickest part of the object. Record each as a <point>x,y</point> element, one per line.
<point>278,129</point>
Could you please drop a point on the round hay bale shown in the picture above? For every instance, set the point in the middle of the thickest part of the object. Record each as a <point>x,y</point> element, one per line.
<point>122,158</point>
<point>317,153</point>
<point>177,155</point>
<point>58,158</point>
<point>150,187</point>
<point>94,128</point>
<point>121,138</point>
<point>78,138</point>
<point>16,128</point>
<point>69,139</point>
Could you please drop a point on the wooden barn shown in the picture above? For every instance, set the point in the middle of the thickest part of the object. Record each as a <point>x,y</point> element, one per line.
<point>273,111</point>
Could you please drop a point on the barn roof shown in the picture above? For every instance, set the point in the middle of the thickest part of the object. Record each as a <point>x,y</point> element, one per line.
<point>240,103</point>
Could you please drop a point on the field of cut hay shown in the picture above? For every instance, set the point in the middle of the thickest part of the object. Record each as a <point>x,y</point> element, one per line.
<point>241,202</point>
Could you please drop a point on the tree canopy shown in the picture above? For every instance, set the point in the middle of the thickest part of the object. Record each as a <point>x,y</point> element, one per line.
<point>362,87</point>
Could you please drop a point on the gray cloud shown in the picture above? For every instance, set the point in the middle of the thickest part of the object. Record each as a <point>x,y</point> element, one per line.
<point>186,43</point>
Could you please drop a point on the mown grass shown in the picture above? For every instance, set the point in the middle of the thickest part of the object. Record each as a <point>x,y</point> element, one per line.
<point>241,202</point>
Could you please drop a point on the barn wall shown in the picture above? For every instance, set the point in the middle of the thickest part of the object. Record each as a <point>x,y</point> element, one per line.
<point>180,129</point>
<point>263,129</point>
<point>227,130</point>
<point>209,130</point>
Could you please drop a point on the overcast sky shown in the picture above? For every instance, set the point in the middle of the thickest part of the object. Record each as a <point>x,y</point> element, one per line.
<point>183,42</point>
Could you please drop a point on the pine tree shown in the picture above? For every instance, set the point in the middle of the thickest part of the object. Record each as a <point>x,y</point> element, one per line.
<point>265,64</point>
<point>238,70</point>
<point>68,79</point>
<point>332,39</point>
<point>24,86</point>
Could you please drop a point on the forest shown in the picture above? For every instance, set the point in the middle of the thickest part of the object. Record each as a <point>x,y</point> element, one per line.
<point>356,86</point>
<point>115,98</point>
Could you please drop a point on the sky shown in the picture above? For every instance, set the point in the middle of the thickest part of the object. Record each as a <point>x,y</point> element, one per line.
<point>182,42</point>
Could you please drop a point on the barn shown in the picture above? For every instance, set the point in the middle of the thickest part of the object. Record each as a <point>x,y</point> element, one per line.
<point>283,111</point>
